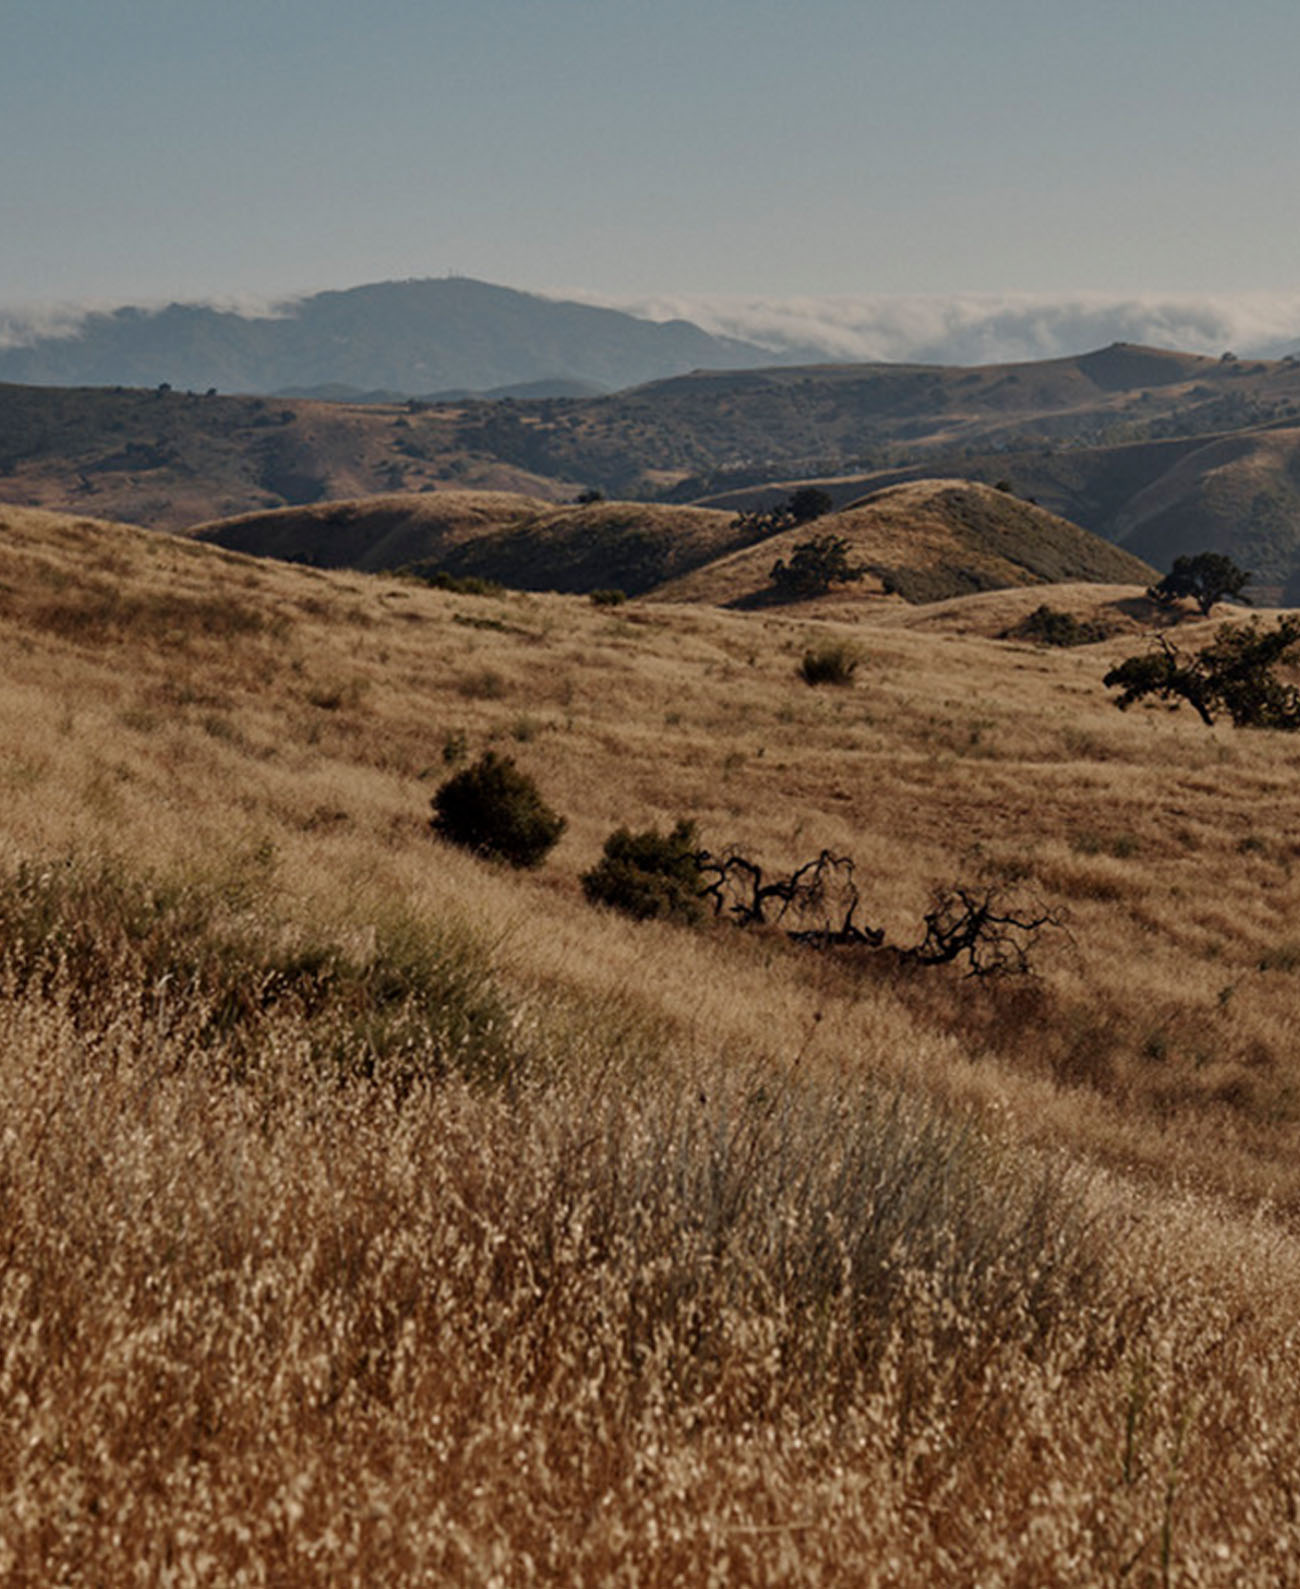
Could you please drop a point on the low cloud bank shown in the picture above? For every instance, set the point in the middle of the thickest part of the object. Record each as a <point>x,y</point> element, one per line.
<point>23,325</point>
<point>964,328</point>
<point>984,328</point>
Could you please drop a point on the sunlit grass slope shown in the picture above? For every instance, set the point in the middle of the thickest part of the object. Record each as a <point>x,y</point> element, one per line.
<point>928,540</point>
<point>375,1214</point>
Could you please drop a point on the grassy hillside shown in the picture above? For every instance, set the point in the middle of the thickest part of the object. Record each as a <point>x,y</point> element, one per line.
<point>1237,494</point>
<point>373,533</point>
<point>171,459</point>
<point>375,1212</point>
<point>1234,492</point>
<point>925,540</point>
<point>519,541</point>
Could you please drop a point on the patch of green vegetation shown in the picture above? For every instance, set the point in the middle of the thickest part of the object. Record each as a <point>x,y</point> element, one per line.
<point>829,662</point>
<point>1048,626</point>
<point>422,1004</point>
<point>457,584</point>
<point>649,874</point>
<point>920,586</point>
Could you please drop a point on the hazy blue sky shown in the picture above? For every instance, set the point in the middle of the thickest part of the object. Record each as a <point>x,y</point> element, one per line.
<point>153,149</point>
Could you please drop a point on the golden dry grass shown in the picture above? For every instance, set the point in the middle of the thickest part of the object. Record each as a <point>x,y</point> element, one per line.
<point>947,534</point>
<point>376,1215</point>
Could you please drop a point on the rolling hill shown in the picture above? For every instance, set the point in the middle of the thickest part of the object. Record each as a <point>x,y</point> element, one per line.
<point>1205,454</point>
<point>925,540</point>
<point>374,1211</point>
<point>519,541</point>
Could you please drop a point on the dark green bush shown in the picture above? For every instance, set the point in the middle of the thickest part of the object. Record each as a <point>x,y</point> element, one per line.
<point>458,584</point>
<point>810,502</point>
<point>495,810</point>
<point>831,662</point>
<point>607,598</point>
<point>1049,626</point>
<point>649,874</point>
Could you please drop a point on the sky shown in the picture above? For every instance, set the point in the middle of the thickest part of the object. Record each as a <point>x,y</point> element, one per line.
<point>666,155</point>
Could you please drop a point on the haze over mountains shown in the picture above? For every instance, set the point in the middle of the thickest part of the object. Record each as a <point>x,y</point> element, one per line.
<point>410,338</point>
<point>451,336</point>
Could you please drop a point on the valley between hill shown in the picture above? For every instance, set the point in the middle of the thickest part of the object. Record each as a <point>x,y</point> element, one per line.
<point>1162,453</point>
<point>376,1211</point>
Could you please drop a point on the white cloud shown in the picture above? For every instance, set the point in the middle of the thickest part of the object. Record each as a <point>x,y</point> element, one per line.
<point>23,324</point>
<point>983,328</point>
<point>965,328</point>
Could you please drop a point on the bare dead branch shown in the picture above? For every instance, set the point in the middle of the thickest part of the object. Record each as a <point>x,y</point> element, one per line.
<point>992,933</point>
<point>819,898</point>
<point>983,927</point>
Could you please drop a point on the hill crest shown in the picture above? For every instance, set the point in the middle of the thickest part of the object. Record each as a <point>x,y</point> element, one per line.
<point>925,540</point>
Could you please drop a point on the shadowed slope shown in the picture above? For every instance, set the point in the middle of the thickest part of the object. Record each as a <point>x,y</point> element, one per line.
<point>518,541</point>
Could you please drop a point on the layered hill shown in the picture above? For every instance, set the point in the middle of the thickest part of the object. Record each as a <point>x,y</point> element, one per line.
<point>713,430</point>
<point>1205,454</point>
<point>926,541</point>
<point>170,459</point>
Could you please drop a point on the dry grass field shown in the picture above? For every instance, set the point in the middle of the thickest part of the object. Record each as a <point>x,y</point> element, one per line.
<point>927,540</point>
<point>374,1214</point>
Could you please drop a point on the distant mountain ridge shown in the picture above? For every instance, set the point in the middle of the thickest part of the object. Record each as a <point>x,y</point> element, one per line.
<point>410,338</point>
<point>1162,452</point>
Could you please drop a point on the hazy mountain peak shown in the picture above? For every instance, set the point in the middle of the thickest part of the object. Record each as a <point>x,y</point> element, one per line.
<point>411,337</point>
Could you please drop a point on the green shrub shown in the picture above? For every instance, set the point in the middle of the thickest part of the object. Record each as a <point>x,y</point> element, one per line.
<point>607,598</point>
<point>495,810</point>
<point>831,662</point>
<point>1049,626</point>
<point>458,584</point>
<point>649,874</point>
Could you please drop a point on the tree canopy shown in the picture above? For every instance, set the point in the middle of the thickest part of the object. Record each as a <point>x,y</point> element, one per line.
<point>1207,577</point>
<point>815,565</point>
<point>1234,675</point>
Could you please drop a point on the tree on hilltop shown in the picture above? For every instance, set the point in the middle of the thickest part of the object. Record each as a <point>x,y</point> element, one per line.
<point>815,565</point>
<point>805,505</point>
<point>1207,577</point>
<point>809,503</point>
